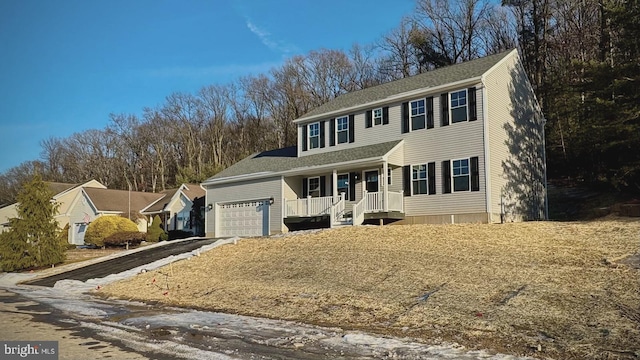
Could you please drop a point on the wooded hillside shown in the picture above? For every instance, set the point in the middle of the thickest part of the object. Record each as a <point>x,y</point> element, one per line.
<point>582,58</point>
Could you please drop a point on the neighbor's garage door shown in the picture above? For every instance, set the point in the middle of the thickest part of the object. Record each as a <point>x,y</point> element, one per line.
<point>250,218</point>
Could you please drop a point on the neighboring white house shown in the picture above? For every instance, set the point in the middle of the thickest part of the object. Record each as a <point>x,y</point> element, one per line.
<point>463,143</point>
<point>176,208</point>
<point>64,196</point>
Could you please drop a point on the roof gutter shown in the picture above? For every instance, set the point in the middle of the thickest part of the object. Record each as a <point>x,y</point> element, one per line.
<point>390,99</point>
<point>296,171</point>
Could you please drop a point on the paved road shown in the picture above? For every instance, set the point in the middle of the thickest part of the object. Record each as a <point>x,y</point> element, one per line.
<point>123,263</point>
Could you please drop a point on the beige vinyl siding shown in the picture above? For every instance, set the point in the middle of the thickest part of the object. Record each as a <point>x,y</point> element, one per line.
<point>246,191</point>
<point>509,100</point>
<point>77,208</point>
<point>6,213</point>
<point>382,133</point>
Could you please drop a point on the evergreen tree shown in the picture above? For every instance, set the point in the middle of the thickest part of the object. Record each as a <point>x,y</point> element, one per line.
<point>32,240</point>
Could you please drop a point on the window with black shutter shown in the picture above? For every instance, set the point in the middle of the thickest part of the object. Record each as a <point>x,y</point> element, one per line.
<point>405,117</point>
<point>444,105</point>
<point>406,180</point>
<point>367,121</point>
<point>323,186</point>
<point>446,177</point>
<point>352,121</point>
<point>385,115</point>
<point>431,169</point>
<point>473,112</point>
<point>430,112</point>
<point>304,137</point>
<point>352,186</point>
<point>475,174</point>
<point>332,132</point>
<point>321,134</point>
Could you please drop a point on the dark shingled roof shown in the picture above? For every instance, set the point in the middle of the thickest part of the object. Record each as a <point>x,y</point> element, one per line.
<point>285,159</point>
<point>441,76</point>
<point>57,188</point>
<point>118,200</point>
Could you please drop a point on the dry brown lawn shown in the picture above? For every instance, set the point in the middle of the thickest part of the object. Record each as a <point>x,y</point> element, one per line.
<point>77,255</point>
<point>546,289</point>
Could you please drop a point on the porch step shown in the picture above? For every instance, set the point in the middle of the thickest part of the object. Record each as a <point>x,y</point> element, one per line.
<point>342,223</point>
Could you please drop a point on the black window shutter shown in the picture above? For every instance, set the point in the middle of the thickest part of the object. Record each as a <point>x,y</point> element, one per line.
<point>431,175</point>
<point>446,177</point>
<point>304,137</point>
<point>330,193</point>
<point>332,132</point>
<point>321,134</point>
<point>323,186</point>
<point>352,186</point>
<point>406,179</point>
<point>405,117</point>
<point>430,112</point>
<point>471,94</point>
<point>385,115</point>
<point>444,101</point>
<point>305,187</point>
<point>352,136</point>
<point>367,123</point>
<point>475,174</point>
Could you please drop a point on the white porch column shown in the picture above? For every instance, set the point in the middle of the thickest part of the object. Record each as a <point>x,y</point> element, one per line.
<point>385,186</point>
<point>334,186</point>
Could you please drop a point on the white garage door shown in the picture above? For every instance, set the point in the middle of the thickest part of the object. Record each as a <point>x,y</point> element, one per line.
<point>250,218</point>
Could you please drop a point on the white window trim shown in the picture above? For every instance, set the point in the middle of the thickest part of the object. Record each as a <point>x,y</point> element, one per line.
<point>426,165</point>
<point>389,176</point>
<point>424,99</point>
<point>309,135</point>
<point>309,185</point>
<point>373,117</point>
<point>348,185</point>
<point>345,130</point>
<point>453,188</point>
<point>466,105</point>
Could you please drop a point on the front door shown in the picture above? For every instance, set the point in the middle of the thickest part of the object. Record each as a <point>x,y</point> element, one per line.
<point>371,180</point>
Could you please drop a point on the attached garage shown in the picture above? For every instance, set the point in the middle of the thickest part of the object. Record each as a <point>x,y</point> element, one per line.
<point>247,218</point>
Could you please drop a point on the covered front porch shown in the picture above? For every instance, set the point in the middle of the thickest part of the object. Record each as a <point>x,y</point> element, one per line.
<point>346,194</point>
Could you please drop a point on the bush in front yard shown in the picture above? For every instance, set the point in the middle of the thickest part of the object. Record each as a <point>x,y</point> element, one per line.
<point>122,238</point>
<point>155,232</point>
<point>106,226</point>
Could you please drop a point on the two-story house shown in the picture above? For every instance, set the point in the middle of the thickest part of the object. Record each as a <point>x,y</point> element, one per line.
<point>463,143</point>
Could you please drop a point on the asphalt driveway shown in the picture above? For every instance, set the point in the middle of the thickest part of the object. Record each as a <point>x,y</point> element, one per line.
<point>123,263</point>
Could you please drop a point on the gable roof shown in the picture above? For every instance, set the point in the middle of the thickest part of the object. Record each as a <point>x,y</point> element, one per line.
<point>57,187</point>
<point>193,191</point>
<point>438,77</point>
<point>280,160</point>
<point>118,200</point>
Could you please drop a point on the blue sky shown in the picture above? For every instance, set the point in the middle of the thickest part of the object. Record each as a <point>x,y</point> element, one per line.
<point>66,64</point>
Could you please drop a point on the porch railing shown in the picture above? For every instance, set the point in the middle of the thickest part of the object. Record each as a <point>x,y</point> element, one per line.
<point>358,212</point>
<point>337,210</point>
<point>311,206</point>
<point>374,201</point>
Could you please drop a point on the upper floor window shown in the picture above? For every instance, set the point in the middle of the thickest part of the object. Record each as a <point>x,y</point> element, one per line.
<point>314,135</point>
<point>417,114</point>
<point>461,175</point>
<point>458,106</point>
<point>342,129</point>
<point>419,179</point>
<point>377,116</point>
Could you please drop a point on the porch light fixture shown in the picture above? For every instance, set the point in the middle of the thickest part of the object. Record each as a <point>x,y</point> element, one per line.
<point>210,207</point>
<point>271,200</point>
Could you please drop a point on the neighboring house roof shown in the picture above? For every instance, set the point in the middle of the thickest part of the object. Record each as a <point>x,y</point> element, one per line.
<point>442,76</point>
<point>108,200</point>
<point>191,191</point>
<point>280,160</point>
<point>58,188</point>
